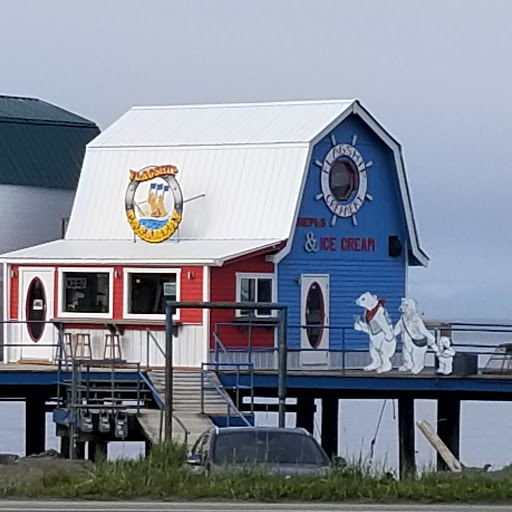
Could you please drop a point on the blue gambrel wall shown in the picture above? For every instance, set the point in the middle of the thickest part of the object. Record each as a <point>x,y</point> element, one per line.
<point>351,272</point>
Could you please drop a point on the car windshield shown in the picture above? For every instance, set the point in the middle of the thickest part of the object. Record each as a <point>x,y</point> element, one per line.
<point>256,447</point>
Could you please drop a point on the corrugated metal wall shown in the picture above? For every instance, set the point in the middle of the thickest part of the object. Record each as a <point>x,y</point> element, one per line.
<point>31,215</point>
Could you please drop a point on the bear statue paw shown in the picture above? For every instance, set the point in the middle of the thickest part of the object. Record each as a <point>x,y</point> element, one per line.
<point>384,368</point>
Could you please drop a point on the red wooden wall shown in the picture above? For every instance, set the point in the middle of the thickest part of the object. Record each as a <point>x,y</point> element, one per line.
<point>191,288</point>
<point>223,288</point>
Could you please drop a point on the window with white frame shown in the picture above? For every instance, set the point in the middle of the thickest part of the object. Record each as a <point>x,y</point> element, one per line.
<point>147,292</point>
<point>86,292</point>
<point>255,288</point>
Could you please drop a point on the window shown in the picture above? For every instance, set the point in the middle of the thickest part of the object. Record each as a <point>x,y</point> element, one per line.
<point>255,288</point>
<point>36,309</point>
<point>248,446</point>
<point>342,179</point>
<point>315,314</point>
<point>86,292</point>
<point>147,292</point>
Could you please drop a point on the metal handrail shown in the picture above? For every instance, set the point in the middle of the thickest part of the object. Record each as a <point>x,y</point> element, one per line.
<point>453,326</point>
<point>156,396</point>
<point>160,403</point>
<point>154,391</point>
<point>227,399</point>
<point>237,387</point>
<point>151,337</point>
<point>485,350</point>
<point>218,344</point>
<point>181,424</point>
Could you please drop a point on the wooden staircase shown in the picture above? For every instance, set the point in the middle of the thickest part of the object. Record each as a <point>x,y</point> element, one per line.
<point>187,405</point>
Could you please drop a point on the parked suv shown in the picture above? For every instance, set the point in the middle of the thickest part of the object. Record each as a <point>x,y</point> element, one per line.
<point>282,451</point>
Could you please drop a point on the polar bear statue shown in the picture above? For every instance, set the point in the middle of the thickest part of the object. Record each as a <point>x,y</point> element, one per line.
<point>416,338</point>
<point>445,355</point>
<point>377,324</point>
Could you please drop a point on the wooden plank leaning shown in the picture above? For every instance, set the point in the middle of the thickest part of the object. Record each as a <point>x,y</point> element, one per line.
<point>438,444</point>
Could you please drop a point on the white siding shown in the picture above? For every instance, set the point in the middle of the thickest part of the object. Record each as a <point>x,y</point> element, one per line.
<point>188,346</point>
<point>32,215</point>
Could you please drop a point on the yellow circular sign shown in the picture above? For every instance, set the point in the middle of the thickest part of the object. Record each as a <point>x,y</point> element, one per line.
<point>154,203</point>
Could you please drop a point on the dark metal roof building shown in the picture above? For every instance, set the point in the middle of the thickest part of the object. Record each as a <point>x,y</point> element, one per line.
<point>41,145</point>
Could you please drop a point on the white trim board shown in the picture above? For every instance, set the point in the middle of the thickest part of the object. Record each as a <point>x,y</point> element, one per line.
<point>90,270</point>
<point>255,275</point>
<point>134,270</point>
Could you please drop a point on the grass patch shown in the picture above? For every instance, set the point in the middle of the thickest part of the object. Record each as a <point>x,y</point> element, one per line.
<point>164,475</point>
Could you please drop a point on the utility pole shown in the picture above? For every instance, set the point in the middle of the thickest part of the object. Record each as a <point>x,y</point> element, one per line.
<point>283,362</point>
<point>169,373</point>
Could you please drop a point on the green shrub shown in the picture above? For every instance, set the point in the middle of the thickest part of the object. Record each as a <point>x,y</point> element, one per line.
<point>164,474</point>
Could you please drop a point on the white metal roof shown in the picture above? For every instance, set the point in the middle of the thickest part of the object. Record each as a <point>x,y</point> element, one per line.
<point>248,193</point>
<point>249,163</point>
<point>195,252</point>
<point>248,160</point>
<point>206,125</point>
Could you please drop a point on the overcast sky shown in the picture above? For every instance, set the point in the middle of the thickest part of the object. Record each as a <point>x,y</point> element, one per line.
<point>436,73</point>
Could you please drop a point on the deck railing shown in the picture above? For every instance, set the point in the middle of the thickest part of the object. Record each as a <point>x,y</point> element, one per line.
<point>489,344</point>
<point>207,382</point>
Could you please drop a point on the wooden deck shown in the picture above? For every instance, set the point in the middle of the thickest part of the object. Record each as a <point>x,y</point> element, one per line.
<point>361,384</point>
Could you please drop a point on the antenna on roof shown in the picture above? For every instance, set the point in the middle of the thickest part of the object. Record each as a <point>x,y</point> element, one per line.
<point>193,198</point>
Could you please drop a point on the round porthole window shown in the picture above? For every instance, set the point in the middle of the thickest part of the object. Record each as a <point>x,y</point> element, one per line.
<point>343,179</point>
<point>36,309</point>
<point>315,314</point>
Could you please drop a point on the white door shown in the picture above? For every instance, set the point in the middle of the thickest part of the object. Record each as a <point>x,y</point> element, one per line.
<point>36,305</point>
<point>314,337</point>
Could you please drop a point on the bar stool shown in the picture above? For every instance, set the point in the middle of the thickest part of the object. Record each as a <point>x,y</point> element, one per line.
<point>69,345</point>
<point>112,344</point>
<point>83,348</point>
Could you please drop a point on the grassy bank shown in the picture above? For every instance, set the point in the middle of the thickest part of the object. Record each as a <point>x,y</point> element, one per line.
<point>164,475</point>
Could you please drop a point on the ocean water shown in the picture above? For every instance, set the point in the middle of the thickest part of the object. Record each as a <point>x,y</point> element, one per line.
<point>485,431</point>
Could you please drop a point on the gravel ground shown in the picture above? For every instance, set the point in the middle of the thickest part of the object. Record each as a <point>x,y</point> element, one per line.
<point>25,470</point>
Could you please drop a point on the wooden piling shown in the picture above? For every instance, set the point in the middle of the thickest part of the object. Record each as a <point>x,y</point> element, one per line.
<point>148,447</point>
<point>98,450</point>
<point>80,450</point>
<point>64,446</point>
<point>406,425</point>
<point>329,438</point>
<point>35,424</point>
<point>448,427</point>
<point>306,412</point>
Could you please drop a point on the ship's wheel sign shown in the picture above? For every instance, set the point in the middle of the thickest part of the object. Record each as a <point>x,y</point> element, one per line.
<point>344,180</point>
<point>154,202</point>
